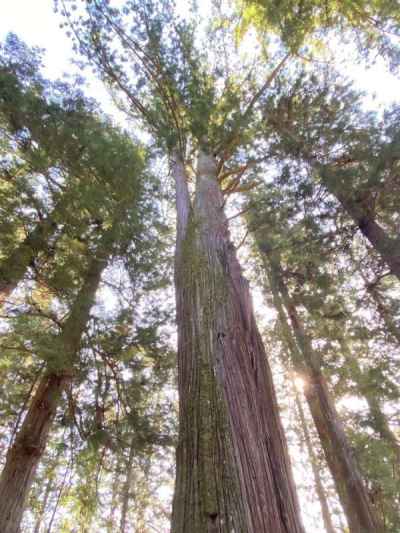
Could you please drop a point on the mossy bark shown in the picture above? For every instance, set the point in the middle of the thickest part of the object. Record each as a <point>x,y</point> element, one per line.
<point>233,471</point>
<point>30,442</point>
<point>353,495</point>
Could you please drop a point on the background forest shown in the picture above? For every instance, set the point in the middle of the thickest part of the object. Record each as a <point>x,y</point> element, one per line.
<point>199,271</point>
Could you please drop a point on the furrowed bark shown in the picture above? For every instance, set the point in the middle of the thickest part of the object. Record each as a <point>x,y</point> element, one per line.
<point>319,487</point>
<point>30,442</point>
<point>233,471</point>
<point>360,514</point>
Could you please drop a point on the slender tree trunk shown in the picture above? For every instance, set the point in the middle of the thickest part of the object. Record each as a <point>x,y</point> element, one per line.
<point>48,490</point>
<point>233,471</point>
<point>388,247</point>
<point>68,470</point>
<point>378,419</point>
<point>14,267</point>
<point>114,496</point>
<point>392,327</point>
<point>352,492</point>
<point>126,493</point>
<point>30,442</point>
<point>319,487</point>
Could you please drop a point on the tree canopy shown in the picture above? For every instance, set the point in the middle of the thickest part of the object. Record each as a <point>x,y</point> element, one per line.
<point>245,154</point>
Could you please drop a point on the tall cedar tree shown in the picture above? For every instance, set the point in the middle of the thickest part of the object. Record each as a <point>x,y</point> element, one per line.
<point>233,470</point>
<point>118,166</point>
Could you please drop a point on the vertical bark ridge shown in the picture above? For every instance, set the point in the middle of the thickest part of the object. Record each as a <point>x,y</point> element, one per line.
<point>230,432</point>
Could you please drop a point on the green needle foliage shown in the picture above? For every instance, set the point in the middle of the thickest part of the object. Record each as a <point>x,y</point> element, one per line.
<point>274,159</point>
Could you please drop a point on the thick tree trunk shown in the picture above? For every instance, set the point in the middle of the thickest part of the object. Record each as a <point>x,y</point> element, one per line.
<point>319,487</point>
<point>14,267</point>
<point>30,442</point>
<point>352,493</point>
<point>233,471</point>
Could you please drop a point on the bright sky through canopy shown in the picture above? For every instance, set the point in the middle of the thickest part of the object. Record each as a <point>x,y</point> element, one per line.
<point>35,22</point>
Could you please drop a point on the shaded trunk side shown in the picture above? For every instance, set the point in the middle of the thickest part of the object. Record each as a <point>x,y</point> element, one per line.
<point>24,455</point>
<point>352,492</point>
<point>233,471</point>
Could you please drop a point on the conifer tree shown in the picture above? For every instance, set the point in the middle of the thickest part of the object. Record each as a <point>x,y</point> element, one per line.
<point>291,217</point>
<point>119,203</point>
<point>229,420</point>
<point>352,160</point>
<point>345,472</point>
<point>88,424</point>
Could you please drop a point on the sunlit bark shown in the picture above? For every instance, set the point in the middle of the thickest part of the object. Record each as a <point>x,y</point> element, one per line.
<point>233,471</point>
<point>360,514</point>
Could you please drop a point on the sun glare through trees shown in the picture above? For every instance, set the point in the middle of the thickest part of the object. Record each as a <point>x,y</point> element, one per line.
<point>200,266</point>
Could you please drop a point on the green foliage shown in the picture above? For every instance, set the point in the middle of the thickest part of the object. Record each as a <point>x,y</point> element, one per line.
<point>301,24</point>
<point>63,161</point>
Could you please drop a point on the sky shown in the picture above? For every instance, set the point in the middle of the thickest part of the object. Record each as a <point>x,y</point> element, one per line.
<point>35,22</point>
